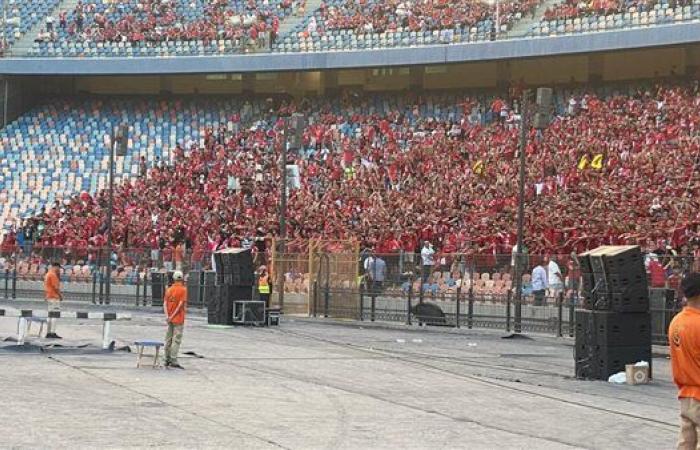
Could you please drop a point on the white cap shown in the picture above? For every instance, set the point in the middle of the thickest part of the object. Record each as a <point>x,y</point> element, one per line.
<point>177,275</point>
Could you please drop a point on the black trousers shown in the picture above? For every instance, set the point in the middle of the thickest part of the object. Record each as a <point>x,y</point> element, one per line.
<point>426,273</point>
<point>375,287</point>
<point>539,297</point>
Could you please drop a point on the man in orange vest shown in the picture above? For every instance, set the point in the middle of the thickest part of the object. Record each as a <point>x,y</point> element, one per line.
<point>175,308</point>
<point>684,342</point>
<point>52,289</point>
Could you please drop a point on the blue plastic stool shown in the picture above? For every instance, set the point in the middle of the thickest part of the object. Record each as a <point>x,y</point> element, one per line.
<point>141,345</point>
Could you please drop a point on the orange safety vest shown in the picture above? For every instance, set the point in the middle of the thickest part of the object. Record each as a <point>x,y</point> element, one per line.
<point>684,346</point>
<point>174,296</point>
<point>52,286</point>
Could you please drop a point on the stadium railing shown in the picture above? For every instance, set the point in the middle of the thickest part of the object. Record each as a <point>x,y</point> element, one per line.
<point>480,291</point>
<point>472,291</point>
<point>303,38</point>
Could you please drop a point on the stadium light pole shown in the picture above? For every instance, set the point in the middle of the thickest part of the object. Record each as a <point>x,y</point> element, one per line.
<point>524,126</point>
<point>293,130</point>
<point>283,186</point>
<point>541,118</point>
<point>283,209</point>
<point>119,137</point>
<point>110,213</point>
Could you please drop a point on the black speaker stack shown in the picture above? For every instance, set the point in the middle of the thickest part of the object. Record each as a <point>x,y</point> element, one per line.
<point>614,327</point>
<point>234,267</point>
<point>201,287</point>
<point>234,281</point>
<point>160,281</point>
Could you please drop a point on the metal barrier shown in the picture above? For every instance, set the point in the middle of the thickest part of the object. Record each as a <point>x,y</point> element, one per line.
<point>143,291</point>
<point>330,279</point>
<point>493,312</point>
<point>368,302</point>
<point>556,316</point>
<point>74,258</point>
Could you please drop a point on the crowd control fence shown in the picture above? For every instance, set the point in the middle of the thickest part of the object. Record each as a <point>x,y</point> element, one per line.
<point>336,280</point>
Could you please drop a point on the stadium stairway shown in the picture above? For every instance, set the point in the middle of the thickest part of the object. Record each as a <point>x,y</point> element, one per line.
<point>523,26</point>
<point>290,23</point>
<point>25,43</point>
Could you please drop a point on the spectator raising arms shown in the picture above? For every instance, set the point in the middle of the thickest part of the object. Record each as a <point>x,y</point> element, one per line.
<point>397,170</point>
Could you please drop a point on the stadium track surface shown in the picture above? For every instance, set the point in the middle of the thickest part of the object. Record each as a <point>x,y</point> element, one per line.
<point>314,384</point>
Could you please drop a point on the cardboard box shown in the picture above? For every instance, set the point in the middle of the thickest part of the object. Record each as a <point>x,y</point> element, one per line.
<point>637,374</point>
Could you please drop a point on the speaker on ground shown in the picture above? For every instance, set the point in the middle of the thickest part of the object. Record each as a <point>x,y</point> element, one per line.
<point>429,313</point>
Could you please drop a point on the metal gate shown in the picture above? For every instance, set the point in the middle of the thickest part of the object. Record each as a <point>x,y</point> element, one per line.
<point>301,279</point>
<point>334,277</point>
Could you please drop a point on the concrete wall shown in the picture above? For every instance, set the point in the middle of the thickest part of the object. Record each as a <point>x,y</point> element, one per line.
<point>658,36</point>
<point>547,71</point>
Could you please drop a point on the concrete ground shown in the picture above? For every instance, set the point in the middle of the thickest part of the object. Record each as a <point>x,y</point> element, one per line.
<point>316,385</point>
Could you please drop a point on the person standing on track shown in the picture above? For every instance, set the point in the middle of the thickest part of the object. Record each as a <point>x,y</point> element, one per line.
<point>175,308</point>
<point>52,288</point>
<point>376,271</point>
<point>539,284</point>
<point>427,255</point>
<point>264,286</point>
<point>684,342</point>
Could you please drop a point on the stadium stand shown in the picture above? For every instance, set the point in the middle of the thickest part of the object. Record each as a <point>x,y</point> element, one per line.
<point>445,160</point>
<point>132,28</point>
<point>21,16</point>
<point>571,9</point>
<point>346,25</point>
<point>163,28</point>
<point>580,17</point>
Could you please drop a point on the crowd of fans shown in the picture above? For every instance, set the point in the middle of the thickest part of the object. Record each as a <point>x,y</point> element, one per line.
<point>612,168</point>
<point>236,24</point>
<point>371,16</point>
<point>157,21</point>
<point>571,9</point>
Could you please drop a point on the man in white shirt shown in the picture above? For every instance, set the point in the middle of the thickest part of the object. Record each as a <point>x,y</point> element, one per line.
<point>554,277</point>
<point>572,106</point>
<point>376,273</point>
<point>49,23</point>
<point>402,10</point>
<point>539,284</point>
<point>311,28</point>
<point>427,260</point>
<point>368,261</point>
